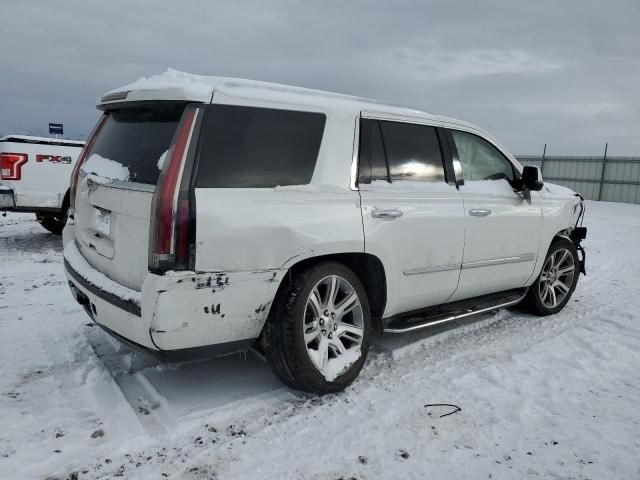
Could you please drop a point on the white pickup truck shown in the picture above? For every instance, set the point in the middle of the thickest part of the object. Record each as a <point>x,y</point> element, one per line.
<point>34,177</point>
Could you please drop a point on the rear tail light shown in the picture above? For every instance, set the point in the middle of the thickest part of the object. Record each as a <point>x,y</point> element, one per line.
<point>172,229</point>
<point>81,159</point>
<point>11,165</point>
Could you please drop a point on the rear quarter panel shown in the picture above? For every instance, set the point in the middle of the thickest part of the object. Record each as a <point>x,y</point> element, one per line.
<point>241,229</point>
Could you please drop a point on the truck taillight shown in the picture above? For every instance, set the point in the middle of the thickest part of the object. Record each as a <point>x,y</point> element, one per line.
<point>11,165</point>
<point>172,231</point>
<point>81,159</point>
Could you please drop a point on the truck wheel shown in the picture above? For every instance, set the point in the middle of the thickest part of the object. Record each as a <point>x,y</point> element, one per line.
<point>53,222</point>
<point>558,279</point>
<point>317,335</point>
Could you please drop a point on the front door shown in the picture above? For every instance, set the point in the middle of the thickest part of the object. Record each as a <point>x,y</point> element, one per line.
<point>502,231</point>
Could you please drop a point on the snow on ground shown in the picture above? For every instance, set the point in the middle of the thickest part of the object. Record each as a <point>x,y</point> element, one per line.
<point>553,397</point>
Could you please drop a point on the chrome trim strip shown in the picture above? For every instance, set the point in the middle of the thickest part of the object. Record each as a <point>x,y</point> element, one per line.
<point>452,318</point>
<point>525,257</point>
<point>439,268</point>
<point>354,160</point>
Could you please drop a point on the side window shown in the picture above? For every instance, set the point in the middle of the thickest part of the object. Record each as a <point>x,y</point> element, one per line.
<point>372,164</point>
<point>258,147</point>
<point>480,160</point>
<point>413,152</point>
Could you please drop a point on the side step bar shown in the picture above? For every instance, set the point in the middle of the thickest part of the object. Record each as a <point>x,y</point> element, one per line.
<point>449,312</point>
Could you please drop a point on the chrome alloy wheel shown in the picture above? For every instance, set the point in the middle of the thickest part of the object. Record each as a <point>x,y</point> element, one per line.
<point>333,326</point>
<point>556,278</point>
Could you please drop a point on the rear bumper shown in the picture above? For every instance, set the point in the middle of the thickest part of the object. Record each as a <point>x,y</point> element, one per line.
<point>197,314</point>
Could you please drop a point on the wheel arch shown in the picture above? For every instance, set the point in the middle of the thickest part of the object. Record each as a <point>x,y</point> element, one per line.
<point>542,252</point>
<point>366,266</point>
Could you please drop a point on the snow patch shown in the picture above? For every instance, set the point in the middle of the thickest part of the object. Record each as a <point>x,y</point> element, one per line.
<point>161,160</point>
<point>489,187</point>
<point>77,262</point>
<point>103,170</point>
<point>332,368</point>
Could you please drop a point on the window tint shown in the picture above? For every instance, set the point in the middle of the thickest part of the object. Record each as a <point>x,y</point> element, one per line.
<point>372,164</point>
<point>258,147</point>
<point>413,152</point>
<point>480,160</point>
<point>137,138</point>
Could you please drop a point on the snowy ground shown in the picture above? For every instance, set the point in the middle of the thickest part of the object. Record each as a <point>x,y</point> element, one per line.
<point>540,398</point>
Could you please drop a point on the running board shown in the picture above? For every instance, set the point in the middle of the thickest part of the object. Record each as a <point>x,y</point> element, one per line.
<point>449,312</point>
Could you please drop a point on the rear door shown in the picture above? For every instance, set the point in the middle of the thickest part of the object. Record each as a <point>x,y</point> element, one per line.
<point>116,185</point>
<point>502,232</point>
<point>413,219</point>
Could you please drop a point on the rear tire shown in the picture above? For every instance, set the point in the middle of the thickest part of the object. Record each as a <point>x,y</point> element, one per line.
<point>317,334</point>
<point>53,222</point>
<point>557,280</point>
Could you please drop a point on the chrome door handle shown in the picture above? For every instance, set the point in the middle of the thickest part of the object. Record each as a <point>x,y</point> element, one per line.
<point>479,212</point>
<point>391,213</point>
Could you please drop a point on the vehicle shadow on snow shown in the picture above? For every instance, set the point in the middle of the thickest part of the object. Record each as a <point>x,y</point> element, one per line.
<point>162,390</point>
<point>159,391</point>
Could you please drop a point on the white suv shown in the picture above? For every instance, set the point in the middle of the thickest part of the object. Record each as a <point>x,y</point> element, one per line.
<point>212,214</point>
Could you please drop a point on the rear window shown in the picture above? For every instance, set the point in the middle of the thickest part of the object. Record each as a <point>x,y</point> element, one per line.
<point>137,138</point>
<point>258,147</point>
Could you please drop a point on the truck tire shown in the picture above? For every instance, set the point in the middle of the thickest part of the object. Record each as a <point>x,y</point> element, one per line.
<point>54,222</point>
<point>317,334</point>
<point>557,280</point>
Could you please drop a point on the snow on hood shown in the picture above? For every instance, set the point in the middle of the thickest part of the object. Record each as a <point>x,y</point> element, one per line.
<point>103,170</point>
<point>556,189</point>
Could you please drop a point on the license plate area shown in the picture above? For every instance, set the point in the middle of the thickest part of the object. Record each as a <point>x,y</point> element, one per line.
<point>102,221</point>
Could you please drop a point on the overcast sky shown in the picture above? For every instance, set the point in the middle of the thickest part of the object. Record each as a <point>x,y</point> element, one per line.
<point>562,72</point>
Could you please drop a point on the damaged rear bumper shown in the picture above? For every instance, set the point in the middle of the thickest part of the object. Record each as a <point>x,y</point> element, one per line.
<point>179,314</point>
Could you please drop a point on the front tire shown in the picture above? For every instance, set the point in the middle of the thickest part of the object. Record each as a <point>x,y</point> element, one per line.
<point>557,280</point>
<point>317,335</point>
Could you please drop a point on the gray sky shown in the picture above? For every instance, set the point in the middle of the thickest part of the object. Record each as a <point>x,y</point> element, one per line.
<point>562,72</point>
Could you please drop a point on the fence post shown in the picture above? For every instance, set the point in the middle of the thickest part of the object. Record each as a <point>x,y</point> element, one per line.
<point>544,152</point>
<point>604,164</point>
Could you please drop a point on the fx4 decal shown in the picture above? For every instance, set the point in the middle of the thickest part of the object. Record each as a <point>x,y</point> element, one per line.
<point>53,158</point>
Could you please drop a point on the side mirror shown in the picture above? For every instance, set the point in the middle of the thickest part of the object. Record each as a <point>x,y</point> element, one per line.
<point>532,178</point>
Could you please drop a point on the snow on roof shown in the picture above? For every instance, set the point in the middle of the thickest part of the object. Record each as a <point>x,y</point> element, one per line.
<point>41,140</point>
<point>177,85</point>
<point>201,88</point>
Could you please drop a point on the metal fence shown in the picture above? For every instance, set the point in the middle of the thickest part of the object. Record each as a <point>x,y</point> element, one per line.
<point>611,179</point>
